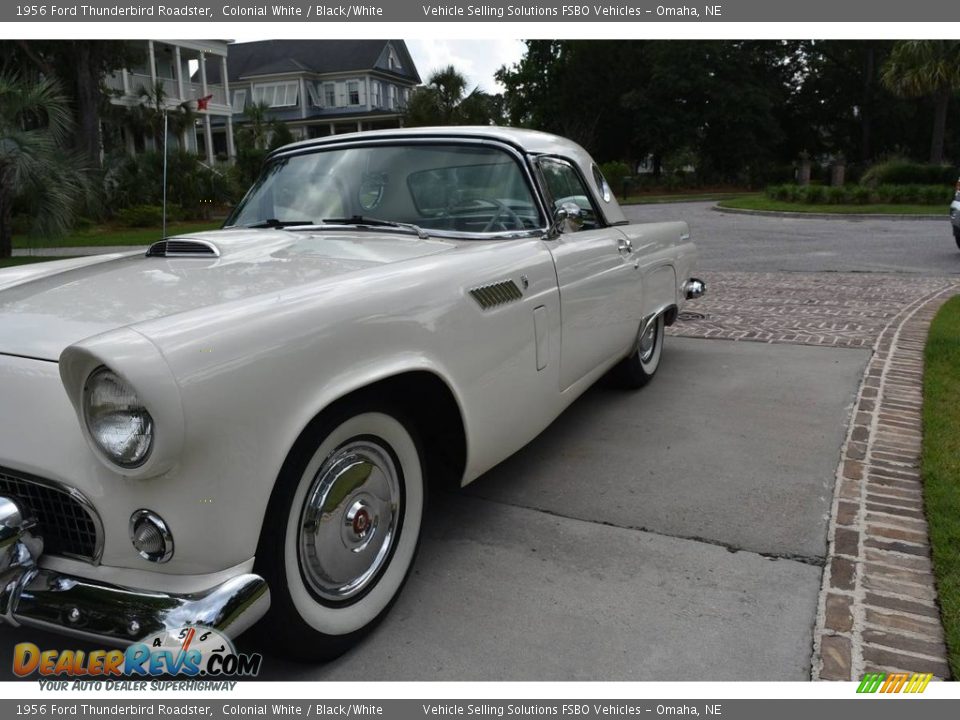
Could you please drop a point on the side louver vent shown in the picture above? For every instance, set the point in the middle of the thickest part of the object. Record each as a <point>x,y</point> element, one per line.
<point>183,248</point>
<point>490,296</point>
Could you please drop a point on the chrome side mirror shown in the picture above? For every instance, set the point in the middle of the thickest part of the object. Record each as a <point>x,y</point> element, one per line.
<point>568,218</point>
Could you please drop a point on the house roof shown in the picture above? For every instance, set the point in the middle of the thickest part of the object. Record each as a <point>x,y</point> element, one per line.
<point>264,57</point>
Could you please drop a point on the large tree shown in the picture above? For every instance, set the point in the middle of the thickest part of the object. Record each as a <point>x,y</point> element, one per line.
<point>80,66</point>
<point>444,100</point>
<point>35,167</point>
<point>919,68</point>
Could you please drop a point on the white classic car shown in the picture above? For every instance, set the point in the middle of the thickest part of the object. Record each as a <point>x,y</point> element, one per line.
<point>237,426</point>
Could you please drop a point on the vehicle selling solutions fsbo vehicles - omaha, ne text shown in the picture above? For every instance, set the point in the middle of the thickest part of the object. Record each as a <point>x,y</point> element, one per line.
<point>237,427</point>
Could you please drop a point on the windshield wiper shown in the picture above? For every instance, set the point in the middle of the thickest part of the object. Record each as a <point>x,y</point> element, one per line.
<point>376,222</point>
<point>274,223</point>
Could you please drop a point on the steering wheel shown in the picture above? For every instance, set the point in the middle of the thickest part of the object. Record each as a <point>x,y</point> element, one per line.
<point>502,210</point>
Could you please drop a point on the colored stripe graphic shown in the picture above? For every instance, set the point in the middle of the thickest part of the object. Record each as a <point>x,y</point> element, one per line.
<point>871,682</point>
<point>894,683</point>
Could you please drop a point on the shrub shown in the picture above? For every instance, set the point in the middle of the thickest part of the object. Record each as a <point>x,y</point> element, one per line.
<point>889,194</point>
<point>859,195</point>
<point>837,195</point>
<point>777,192</point>
<point>815,194</point>
<point>140,216</point>
<point>898,171</point>
<point>192,187</point>
<point>935,195</point>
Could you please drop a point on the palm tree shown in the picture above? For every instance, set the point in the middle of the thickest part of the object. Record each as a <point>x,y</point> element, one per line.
<point>149,115</point>
<point>35,125</point>
<point>917,68</point>
<point>444,101</point>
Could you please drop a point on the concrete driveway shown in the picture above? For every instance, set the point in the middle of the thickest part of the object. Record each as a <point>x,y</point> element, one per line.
<point>673,532</point>
<point>678,532</point>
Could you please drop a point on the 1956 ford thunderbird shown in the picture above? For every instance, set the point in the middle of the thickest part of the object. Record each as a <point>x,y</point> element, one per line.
<point>237,427</point>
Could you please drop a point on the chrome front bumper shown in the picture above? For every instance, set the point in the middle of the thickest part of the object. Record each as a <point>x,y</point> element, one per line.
<point>34,596</point>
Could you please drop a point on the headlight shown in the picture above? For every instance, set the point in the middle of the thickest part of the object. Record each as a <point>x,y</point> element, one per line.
<point>116,419</point>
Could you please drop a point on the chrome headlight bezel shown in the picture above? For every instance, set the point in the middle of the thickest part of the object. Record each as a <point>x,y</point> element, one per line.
<point>127,401</point>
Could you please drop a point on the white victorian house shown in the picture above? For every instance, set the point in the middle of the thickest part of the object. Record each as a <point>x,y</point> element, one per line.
<point>318,87</point>
<point>187,71</point>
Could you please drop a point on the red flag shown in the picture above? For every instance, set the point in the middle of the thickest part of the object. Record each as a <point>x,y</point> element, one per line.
<point>203,102</point>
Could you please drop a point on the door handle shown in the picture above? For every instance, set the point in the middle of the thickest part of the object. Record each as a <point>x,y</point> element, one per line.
<point>625,246</point>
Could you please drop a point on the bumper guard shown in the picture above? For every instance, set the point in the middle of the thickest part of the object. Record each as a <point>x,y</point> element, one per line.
<point>34,596</point>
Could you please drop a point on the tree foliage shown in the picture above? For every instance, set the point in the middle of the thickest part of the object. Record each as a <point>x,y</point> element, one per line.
<point>255,139</point>
<point>35,166</point>
<point>918,68</point>
<point>444,100</point>
<point>738,111</point>
<point>80,66</point>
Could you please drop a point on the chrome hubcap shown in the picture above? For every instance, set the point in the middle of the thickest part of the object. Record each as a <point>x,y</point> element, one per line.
<point>349,520</point>
<point>647,342</point>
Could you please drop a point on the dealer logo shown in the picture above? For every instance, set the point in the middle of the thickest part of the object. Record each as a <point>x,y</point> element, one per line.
<point>192,651</point>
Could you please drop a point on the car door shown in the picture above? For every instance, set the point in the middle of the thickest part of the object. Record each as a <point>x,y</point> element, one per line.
<point>598,279</point>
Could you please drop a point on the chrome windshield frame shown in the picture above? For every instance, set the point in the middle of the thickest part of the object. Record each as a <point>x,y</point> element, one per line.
<point>523,161</point>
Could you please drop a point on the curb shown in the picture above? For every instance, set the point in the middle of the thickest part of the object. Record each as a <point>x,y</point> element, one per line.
<point>878,606</point>
<point>829,216</point>
<point>79,251</point>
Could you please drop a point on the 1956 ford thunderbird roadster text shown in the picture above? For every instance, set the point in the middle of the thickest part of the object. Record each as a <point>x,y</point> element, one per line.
<point>237,427</point>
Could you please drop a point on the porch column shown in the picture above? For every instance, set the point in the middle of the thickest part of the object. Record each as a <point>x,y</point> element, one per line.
<point>153,66</point>
<point>231,150</point>
<point>225,82</point>
<point>179,72</point>
<point>207,130</point>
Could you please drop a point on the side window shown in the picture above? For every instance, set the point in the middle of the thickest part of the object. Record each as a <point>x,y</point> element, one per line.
<point>564,185</point>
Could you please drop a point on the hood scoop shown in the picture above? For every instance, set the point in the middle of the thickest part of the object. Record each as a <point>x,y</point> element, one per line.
<point>183,248</point>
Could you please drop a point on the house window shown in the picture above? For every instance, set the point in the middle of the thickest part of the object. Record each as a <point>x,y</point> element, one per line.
<point>376,99</point>
<point>239,100</point>
<point>283,94</point>
<point>393,61</point>
<point>353,92</point>
<point>312,92</point>
<point>392,97</point>
<point>330,95</point>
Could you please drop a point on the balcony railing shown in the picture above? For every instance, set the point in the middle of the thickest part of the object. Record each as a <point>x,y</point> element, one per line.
<point>171,90</point>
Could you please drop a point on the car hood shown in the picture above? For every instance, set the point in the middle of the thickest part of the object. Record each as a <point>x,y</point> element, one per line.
<point>46,307</point>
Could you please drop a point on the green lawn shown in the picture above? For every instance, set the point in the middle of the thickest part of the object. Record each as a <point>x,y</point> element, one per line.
<point>762,202</point>
<point>111,235</point>
<point>679,197</point>
<point>10,262</point>
<point>941,465</point>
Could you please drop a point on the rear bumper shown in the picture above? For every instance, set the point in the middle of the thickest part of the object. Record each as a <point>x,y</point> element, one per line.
<point>694,288</point>
<point>38,597</point>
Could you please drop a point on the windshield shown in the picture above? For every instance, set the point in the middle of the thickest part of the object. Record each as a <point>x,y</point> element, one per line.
<point>443,189</point>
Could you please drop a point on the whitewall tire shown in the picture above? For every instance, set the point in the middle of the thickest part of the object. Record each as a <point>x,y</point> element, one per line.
<point>639,367</point>
<point>341,531</point>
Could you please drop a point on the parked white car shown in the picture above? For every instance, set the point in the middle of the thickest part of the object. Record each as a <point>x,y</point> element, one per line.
<point>237,426</point>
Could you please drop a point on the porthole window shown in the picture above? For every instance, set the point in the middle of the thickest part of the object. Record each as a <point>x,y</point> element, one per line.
<point>603,187</point>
